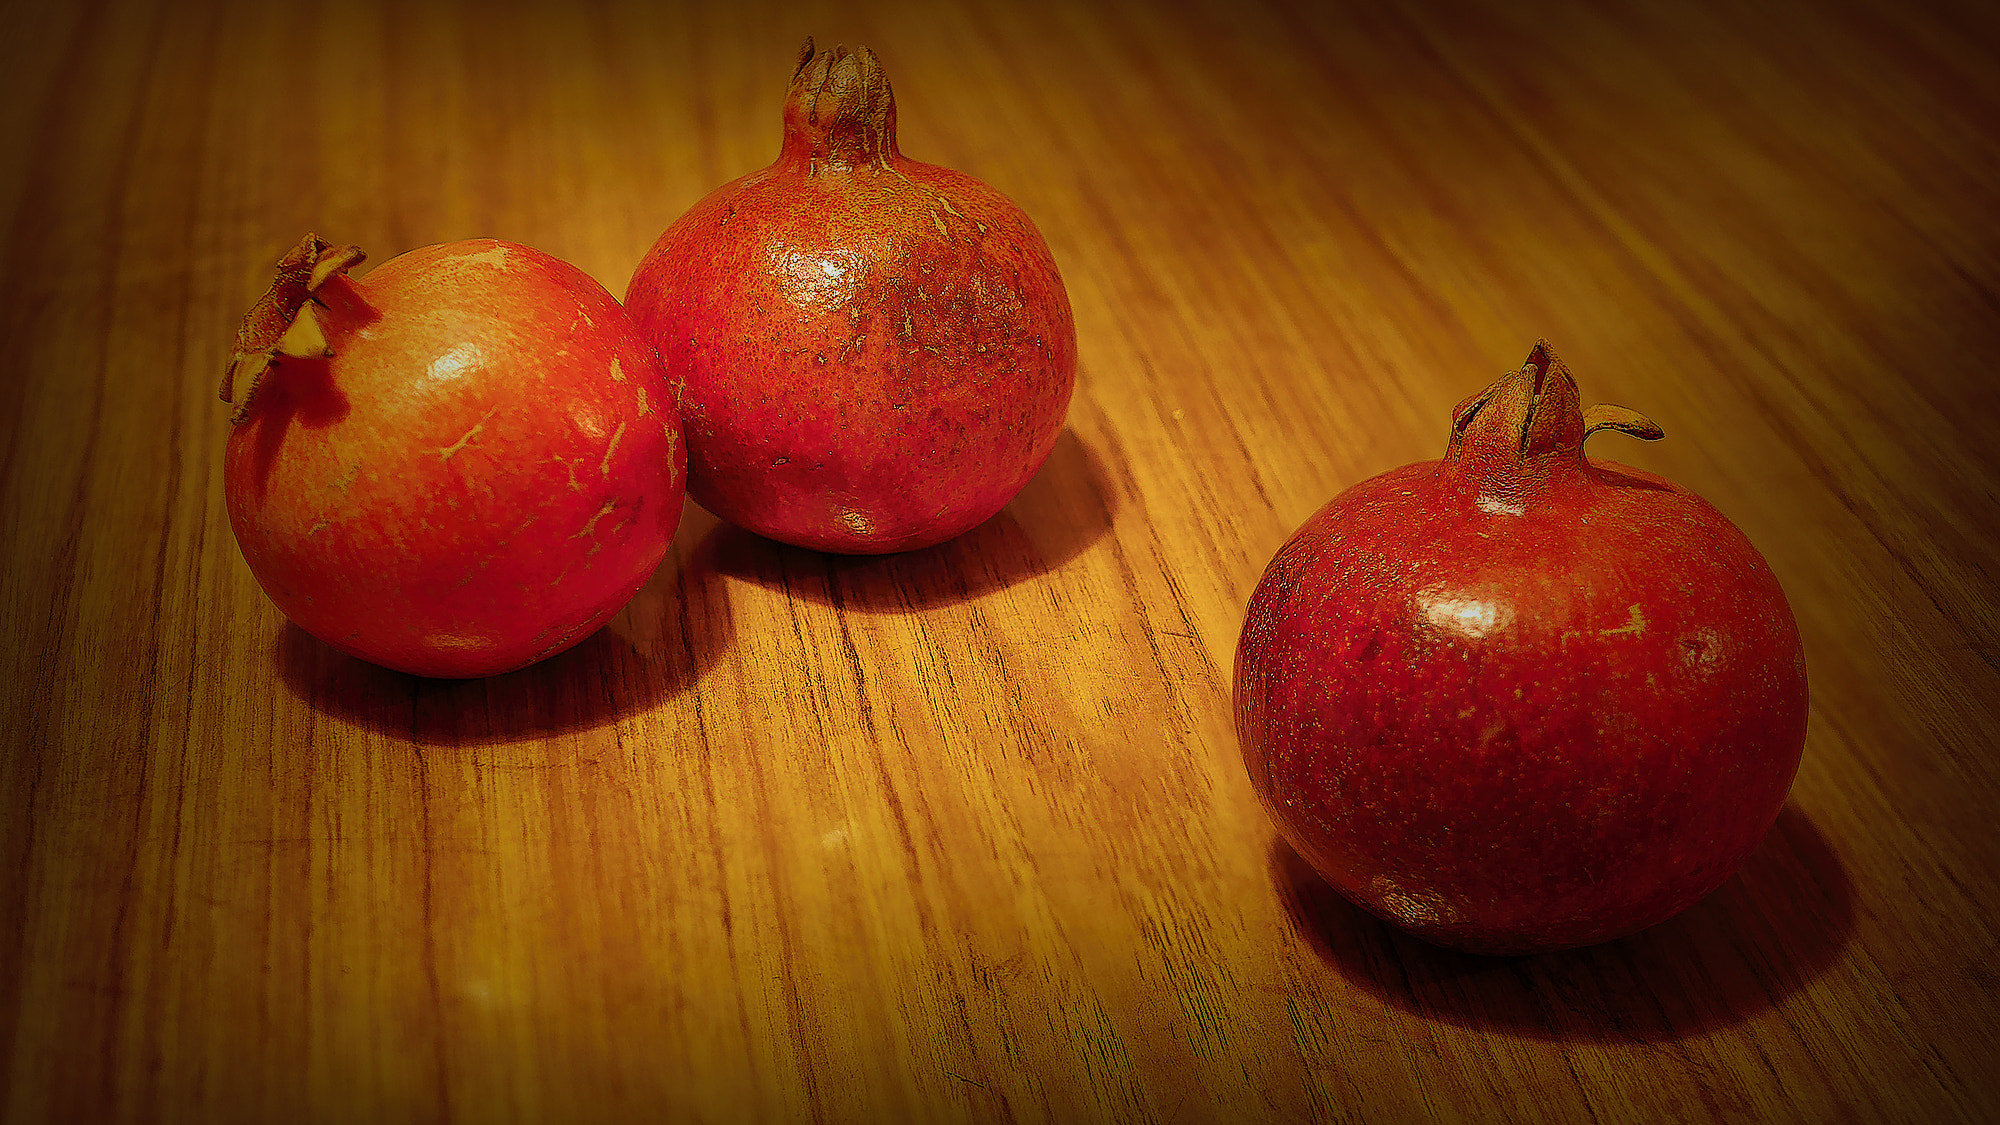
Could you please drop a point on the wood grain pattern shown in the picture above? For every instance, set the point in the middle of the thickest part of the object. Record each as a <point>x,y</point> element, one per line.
<point>964,834</point>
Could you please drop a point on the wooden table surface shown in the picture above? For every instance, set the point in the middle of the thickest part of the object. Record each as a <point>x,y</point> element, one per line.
<point>965,834</point>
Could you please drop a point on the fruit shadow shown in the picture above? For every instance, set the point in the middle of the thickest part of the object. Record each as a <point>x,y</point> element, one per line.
<point>1066,507</point>
<point>660,645</point>
<point>1776,924</point>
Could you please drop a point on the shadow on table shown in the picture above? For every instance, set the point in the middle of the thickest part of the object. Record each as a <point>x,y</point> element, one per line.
<point>1066,507</point>
<point>1775,925</point>
<point>657,647</point>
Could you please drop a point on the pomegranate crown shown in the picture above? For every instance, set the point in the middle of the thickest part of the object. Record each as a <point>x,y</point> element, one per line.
<point>1531,420</point>
<point>840,112</point>
<point>282,323</point>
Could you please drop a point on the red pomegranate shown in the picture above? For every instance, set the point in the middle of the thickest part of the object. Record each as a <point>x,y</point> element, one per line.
<point>877,353</point>
<point>458,465</point>
<point>1518,700</point>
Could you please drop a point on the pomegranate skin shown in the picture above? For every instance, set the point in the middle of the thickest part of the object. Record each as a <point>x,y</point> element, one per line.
<point>877,354</point>
<point>1516,700</point>
<point>481,466</point>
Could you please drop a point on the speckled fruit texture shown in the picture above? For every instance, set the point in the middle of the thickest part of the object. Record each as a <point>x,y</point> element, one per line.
<point>1517,700</point>
<point>876,353</point>
<point>462,463</point>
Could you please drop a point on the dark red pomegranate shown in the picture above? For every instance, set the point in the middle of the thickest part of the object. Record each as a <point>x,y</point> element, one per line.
<point>1518,700</point>
<point>877,353</point>
<point>460,464</point>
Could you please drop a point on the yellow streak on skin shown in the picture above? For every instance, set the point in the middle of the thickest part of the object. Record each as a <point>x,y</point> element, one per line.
<point>496,257</point>
<point>590,526</point>
<point>445,451</point>
<point>452,642</point>
<point>1635,625</point>
<point>604,466</point>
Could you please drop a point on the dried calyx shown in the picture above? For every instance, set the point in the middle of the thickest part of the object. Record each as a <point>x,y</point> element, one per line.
<point>1533,417</point>
<point>840,110</point>
<point>282,324</point>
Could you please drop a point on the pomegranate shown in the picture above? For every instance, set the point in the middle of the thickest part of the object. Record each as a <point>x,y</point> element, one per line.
<point>1520,700</point>
<point>456,466</point>
<point>877,353</point>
